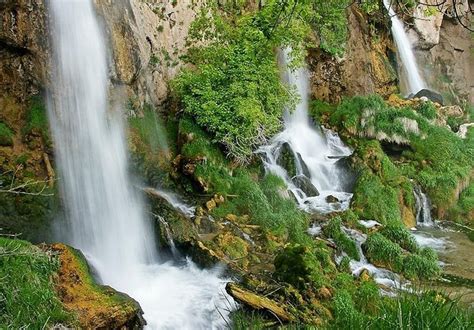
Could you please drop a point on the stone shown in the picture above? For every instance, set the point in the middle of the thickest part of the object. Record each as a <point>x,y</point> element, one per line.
<point>332,199</point>
<point>432,95</point>
<point>364,275</point>
<point>258,302</point>
<point>211,204</point>
<point>219,199</point>
<point>286,159</point>
<point>324,293</point>
<point>305,184</point>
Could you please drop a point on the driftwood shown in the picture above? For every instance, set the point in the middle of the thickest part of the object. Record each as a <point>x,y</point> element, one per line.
<point>257,302</point>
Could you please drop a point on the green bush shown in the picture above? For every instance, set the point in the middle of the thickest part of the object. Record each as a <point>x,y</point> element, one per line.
<point>27,295</point>
<point>6,135</point>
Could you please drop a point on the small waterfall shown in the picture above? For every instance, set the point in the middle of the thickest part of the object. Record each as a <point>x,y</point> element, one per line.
<point>104,217</point>
<point>175,201</point>
<point>320,183</point>
<point>423,208</point>
<point>405,51</point>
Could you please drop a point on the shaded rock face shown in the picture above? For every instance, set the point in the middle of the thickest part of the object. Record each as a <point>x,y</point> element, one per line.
<point>365,69</point>
<point>431,95</point>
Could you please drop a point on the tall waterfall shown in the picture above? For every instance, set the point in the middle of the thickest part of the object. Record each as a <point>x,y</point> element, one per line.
<point>316,153</point>
<point>414,80</point>
<point>104,216</point>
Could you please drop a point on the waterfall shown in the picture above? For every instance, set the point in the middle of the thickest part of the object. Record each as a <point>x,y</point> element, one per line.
<point>316,152</point>
<point>423,208</point>
<point>405,51</point>
<point>104,216</point>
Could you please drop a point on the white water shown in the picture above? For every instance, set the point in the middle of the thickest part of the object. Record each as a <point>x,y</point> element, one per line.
<point>414,80</point>
<point>104,217</point>
<point>315,152</point>
<point>423,209</point>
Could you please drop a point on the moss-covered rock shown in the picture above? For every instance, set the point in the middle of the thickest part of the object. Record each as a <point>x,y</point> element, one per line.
<point>95,306</point>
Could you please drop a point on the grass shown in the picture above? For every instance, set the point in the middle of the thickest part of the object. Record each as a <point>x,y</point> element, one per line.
<point>27,296</point>
<point>400,235</point>
<point>383,252</point>
<point>333,230</point>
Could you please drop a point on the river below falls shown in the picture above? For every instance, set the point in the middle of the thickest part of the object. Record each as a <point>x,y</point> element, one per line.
<point>455,251</point>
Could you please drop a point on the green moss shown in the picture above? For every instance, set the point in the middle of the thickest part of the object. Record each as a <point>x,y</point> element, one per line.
<point>6,135</point>
<point>427,110</point>
<point>37,119</point>
<point>27,295</point>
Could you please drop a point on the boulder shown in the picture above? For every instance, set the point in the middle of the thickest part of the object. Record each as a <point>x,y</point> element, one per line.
<point>332,199</point>
<point>431,95</point>
<point>305,184</point>
<point>286,159</point>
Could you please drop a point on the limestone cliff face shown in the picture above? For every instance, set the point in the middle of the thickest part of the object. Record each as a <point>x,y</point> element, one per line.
<point>445,50</point>
<point>147,38</point>
<point>364,69</point>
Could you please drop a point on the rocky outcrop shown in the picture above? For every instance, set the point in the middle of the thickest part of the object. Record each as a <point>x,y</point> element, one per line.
<point>96,306</point>
<point>445,51</point>
<point>147,38</point>
<point>364,69</point>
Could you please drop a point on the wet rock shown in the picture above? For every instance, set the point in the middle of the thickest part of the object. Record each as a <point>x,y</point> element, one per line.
<point>365,275</point>
<point>257,302</point>
<point>210,205</point>
<point>332,199</point>
<point>287,160</point>
<point>305,184</point>
<point>431,95</point>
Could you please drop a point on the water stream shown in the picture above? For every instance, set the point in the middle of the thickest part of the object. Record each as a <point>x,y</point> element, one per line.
<point>316,152</point>
<point>405,50</point>
<point>105,217</point>
<point>423,208</point>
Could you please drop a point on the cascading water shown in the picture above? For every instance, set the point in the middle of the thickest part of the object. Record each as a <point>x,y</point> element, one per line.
<point>414,80</point>
<point>423,209</point>
<point>316,154</point>
<point>104,216</point>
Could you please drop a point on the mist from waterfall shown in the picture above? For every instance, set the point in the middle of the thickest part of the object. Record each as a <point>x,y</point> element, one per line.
<point>405,50</point>
<point>316,152</point>
<point>105,217</point>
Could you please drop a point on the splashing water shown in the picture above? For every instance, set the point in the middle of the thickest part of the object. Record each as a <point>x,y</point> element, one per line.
<point>316,154</point>
<point>405,51</point>
<point>104,216</point>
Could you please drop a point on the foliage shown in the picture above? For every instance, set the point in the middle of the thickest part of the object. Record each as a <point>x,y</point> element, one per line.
<point>423,265</point>
<point>381,251</point>
<point>434,156</point>
<point>427,110</point>
<point>6,135</point>
<point>399,234</point>
<point>333,230</point>
<point>463,211</point>
<point>27,296</point>
<point>298,265</point>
